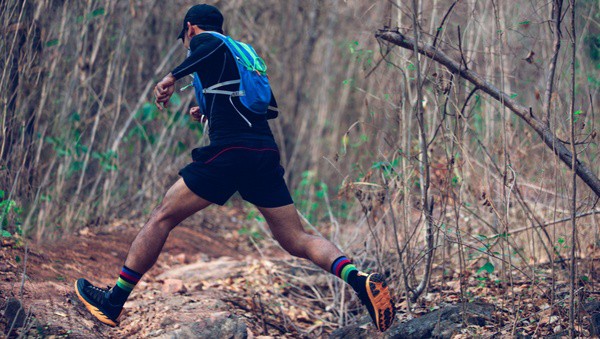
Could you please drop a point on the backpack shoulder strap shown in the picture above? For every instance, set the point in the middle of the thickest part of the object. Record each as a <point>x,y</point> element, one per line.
<point>246,55</point>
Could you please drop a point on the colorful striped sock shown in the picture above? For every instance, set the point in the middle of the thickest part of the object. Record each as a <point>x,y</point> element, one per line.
<point>342,267</point>
<point>128,278</point>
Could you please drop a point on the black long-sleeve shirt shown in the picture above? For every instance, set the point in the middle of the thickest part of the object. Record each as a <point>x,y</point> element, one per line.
<point>214,63</point>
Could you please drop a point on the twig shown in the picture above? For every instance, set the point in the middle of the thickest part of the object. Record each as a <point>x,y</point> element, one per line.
<point>399,251</point>
<point>441,27</point>
<point>445,113</point>
<point>556,15</point>
<point>580,215</point>
<point>574,182</point>
<point>426,202</point>
<point>24,275</point>
<point>262,312</point>
<point>462,110</point>
<point>378,62</point>
<point>462,55</point>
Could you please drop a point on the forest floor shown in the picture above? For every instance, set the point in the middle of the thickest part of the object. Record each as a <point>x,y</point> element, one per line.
<point>213,277</point>
<point>222,280</point>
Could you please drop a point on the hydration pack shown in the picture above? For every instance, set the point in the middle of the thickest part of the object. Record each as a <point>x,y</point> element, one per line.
<point>253,91</point>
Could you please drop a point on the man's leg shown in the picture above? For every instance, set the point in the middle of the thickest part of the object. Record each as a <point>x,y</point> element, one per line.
<point>178,204</point>
<point>287,229</point>
<point>372,290</point>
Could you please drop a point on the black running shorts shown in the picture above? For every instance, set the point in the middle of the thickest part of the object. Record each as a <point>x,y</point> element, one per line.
<point>255,171</point>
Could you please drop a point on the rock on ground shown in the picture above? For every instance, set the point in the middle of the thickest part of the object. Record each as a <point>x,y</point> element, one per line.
<point>442,323</point>
<point>593,308</point>
<point>224,326</point>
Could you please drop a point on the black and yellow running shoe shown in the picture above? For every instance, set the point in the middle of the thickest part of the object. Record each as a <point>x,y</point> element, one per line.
<point>96,300</point>
<point>376,297</point>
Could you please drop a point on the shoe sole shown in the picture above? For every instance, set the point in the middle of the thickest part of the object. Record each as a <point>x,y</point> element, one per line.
<point>379,295</point>
<point>95,311</point>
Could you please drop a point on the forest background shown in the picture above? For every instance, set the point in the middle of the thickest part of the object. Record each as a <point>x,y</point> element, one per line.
<point>83,144</point>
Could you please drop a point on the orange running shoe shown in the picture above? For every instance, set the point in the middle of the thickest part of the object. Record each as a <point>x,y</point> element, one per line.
<point>378,301</point>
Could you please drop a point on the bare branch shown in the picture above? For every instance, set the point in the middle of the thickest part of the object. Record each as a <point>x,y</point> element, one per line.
<point>574,182</point>
<point>426,201</point>
<point>580,215</point>
<point>441,27</point>
<point>556,14</point>
<point>582,169</point>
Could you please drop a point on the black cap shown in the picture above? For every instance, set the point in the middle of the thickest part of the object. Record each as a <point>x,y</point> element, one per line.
<point>207,17</point>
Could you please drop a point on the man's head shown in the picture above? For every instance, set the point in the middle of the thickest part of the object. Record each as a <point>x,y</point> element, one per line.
<point>200,18</point>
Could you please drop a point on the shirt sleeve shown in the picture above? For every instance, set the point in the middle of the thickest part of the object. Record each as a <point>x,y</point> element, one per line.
<point>202,47</point>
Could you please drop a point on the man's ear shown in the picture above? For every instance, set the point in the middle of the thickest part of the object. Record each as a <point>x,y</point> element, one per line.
<point>190,30</point>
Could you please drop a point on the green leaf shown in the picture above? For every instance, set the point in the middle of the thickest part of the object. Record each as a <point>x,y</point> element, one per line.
<point>488,267</point>
<point>96,12</point>
<point>501,235</point>
<point>526,22</point>
<point>578,112</point>
<point>17,259</point>
<point>6,234</point>
<point>52,42</point>
<point>149,112</point>
<point>175,100</point>
<point>1,194</point>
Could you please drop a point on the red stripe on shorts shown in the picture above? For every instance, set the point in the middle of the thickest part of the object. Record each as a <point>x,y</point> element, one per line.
<point>239,147</point>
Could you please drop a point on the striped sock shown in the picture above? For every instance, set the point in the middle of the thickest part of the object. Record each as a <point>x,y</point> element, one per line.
<point>342,267</point>
<point>128,278</point>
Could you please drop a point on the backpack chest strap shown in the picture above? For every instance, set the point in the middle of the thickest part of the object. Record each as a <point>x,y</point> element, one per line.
<point>213,89</point>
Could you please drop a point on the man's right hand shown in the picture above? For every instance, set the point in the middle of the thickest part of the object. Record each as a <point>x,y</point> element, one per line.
<point>163,91</point>
<point>196,115</point>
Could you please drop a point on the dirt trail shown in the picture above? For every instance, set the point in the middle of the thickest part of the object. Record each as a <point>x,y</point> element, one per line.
<point>207,283</point>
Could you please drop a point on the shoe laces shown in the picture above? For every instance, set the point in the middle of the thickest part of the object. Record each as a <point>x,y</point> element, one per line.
<point>97,293</point>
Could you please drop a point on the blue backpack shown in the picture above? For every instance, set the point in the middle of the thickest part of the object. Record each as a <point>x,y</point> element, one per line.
<point>254,90</point>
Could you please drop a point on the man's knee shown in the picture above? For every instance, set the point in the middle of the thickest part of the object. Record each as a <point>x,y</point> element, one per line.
<point>163,214</point>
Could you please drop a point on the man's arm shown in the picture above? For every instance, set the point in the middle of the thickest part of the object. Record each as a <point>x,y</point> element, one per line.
<point>202,46</point>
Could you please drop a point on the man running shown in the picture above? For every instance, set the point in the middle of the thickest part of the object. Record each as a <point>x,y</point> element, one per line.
<point>242,157</point>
